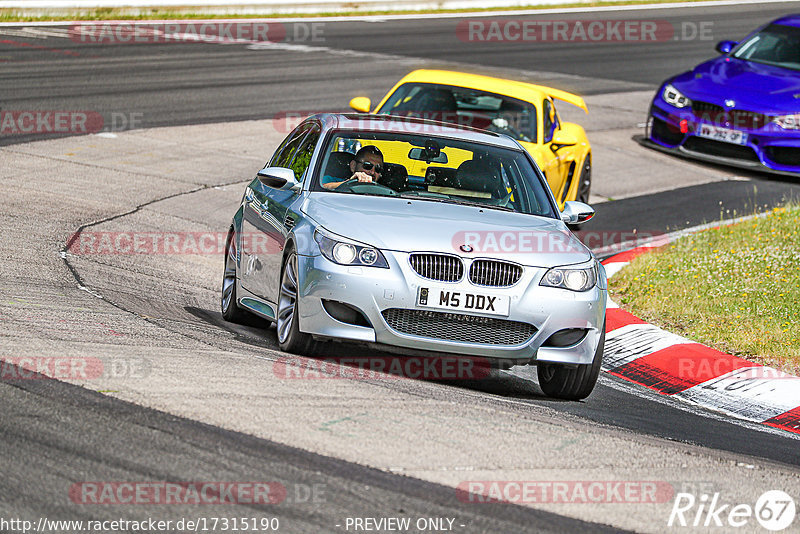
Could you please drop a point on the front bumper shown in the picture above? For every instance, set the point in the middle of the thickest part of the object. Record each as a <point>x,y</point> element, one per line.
<point>382,295</point>
<point>767,148</point>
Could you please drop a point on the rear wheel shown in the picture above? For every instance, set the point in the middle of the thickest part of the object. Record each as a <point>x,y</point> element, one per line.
<point>571,383</point>
<point>585,184</point>
<point>290,338</point>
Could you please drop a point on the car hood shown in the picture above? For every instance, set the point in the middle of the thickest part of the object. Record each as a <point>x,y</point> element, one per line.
<point>752,86</point>
<point>407,225</point>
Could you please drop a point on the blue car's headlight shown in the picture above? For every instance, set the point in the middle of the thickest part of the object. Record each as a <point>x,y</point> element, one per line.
<point>674,97</point>
<point>344,252</point>
<point>582,279</point>
<point>788,122</point>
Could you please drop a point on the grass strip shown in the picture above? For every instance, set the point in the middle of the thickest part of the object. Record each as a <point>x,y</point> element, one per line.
<point>735,288</point>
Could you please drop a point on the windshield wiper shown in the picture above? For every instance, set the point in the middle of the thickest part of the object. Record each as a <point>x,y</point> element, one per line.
<point>480,204</point>
<point>456,201</point>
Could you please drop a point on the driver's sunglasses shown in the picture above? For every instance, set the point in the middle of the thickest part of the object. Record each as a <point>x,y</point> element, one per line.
<point>367,165</point>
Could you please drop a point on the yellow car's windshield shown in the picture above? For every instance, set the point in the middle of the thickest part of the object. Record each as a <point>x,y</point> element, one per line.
<point>469,107</point>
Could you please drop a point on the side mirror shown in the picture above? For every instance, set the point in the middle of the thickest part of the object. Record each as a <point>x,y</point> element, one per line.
<point>563,139</point>
<point>279,178</point>
<point>725,47</point>
<point>361,104</point>
<point>576,212</point>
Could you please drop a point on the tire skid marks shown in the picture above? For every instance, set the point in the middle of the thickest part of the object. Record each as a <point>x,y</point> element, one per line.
<point>746,395</point>
<point>634,341</point>
<point>37,33</point>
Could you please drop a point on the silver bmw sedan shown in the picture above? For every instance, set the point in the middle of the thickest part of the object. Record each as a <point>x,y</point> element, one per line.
<point>417,237</point>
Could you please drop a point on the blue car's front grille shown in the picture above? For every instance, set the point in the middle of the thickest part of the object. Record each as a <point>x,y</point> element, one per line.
<point>784,155</point>
<point>731,118</point>
<point>718,148</point>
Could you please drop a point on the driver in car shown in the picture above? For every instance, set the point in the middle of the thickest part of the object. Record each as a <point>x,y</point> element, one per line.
<point>366,166</point>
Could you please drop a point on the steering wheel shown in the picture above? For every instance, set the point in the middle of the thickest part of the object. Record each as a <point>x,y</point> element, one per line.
<point>502,202</point>
<point>354,186</point>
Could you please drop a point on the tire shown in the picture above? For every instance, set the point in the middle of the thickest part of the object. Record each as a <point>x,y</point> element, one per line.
<point>231,311</point>
<point>585,184</point>
<point>575,383</point>
<point>290,338</point>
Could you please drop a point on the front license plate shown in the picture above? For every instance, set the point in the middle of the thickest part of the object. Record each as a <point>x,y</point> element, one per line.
<point>722,134</point>
<point>465,301</point>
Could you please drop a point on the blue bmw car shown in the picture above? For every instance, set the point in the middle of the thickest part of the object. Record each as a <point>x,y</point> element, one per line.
<point>741,108</point>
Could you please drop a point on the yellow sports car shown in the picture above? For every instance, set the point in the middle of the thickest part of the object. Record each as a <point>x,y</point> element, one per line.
<point>521,110</point>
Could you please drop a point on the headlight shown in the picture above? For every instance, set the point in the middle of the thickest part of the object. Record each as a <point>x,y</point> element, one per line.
<point>344,252</point>
<point>674,97</point>
<point>572,279</point>
<point>788,122</point>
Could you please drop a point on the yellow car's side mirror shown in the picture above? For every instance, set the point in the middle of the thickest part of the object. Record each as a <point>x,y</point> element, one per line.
<point>360,104</point>
<point>563,139</point>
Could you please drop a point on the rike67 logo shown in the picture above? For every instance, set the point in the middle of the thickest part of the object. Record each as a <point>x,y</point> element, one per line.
<point>774,510</point>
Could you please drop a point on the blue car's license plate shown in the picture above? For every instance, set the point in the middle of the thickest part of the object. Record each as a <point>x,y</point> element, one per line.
<point>466,301</point>
<point>726,135</point>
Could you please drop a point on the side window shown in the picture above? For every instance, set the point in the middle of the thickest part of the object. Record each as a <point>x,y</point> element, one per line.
<point>550,120</point>
<point>285,153</point>
<point>302,156</point>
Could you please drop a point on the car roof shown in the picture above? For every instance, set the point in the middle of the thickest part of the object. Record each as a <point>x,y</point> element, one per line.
<point>789,20</point>
<point>413,125</point>
<point>520,90</point>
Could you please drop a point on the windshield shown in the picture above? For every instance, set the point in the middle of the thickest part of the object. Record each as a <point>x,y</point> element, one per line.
<point>469,107</point>
<point>774,45</point>
<point>432,168</point>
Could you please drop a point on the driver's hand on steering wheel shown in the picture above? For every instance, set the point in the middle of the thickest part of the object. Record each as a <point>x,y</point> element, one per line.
<point>361,177</point>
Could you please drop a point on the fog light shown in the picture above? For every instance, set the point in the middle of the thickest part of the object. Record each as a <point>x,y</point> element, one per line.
<point>566,337</point>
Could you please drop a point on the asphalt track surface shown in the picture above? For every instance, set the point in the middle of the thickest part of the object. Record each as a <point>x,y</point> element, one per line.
<point>126,442</point>
<point>55,433</point>
<point>174,83</point>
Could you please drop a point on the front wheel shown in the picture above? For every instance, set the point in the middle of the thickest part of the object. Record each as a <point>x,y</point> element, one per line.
<point>290,338</point>
<point>230,309</point>
<point>571,383</point>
